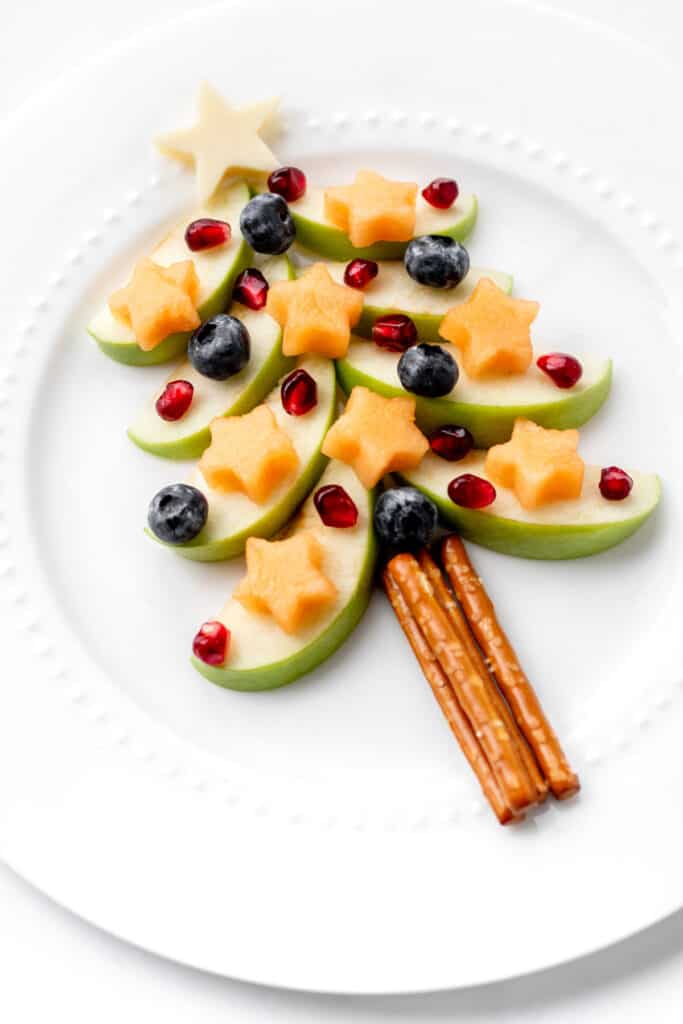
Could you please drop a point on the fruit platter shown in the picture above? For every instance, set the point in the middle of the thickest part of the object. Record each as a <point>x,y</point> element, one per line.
<point>326,560</point>
<point>352,398</point>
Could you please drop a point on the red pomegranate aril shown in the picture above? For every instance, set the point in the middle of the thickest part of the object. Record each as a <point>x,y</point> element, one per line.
<point>175,400</point>
<point>251,289</point>
<point>395,332</point>
<point>299,393</point>
<point>211,643</point>
<point>358,273</point>
<point>615,483</point>
<point>441,193</point>
<point>207,233</point>
<point>471,491</point>
<point>288,182</point>
<point>335,507</point>
<point>564,371</point>
<point>451,443</point>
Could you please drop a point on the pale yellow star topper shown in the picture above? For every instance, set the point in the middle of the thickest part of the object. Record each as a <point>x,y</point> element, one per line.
<point>224,142</point>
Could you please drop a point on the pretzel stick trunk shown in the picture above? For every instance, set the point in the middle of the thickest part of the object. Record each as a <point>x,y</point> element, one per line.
<point>448,703</point>
<point>505,665</point>
<point>470,689</point>
<point>459,623</point>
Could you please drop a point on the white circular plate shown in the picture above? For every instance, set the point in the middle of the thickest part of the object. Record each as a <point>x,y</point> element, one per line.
<point>329,836</point>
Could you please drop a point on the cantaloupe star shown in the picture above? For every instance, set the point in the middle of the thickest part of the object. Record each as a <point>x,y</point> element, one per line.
<point>224,142</point>
<point>285,580</point>
<point>538,465</point>
<point>158,301</point>
<point>376,436</point>
<point>492,331</point>
<point>373,209</point>
<point>315,312</point>
<point>250,453</point>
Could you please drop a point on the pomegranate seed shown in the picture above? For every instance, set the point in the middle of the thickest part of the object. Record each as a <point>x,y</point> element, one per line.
<point>395,333</point>
<point>251,289</point>
<point>211,643</point>
<point>615,483</point>
<point>299,393</point>
<point>471,491</point>
<point>335,507</point>
<point>174,400</point>
<point>451,443</point>
<point>288,182</point>
<point>358,273</point>
<point>207,233</point>
<point>441,193</point>
<point>562,369</point>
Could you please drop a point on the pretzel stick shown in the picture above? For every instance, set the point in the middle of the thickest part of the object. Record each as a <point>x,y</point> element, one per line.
<point>467,684</point>
<point>459,622</point>
<point>505,665</point>
<point>448,703</point>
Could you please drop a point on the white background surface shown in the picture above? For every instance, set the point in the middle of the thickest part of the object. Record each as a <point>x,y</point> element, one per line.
<point>51,962</point>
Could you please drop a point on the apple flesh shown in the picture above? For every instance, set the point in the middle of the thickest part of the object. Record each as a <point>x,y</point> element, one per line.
<point>316,233</point>
<point>233,517</point>
<point>216,270</point>
<point>393,291</point>
<point>264,657</point>
<point>187,437</point>
<point>487,408</point>
<point>562,529</point>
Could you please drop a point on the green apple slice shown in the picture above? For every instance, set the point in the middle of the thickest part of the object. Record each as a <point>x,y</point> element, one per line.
<point>561,529</point>
<point>315,232</point>
<point>488,408</point>
<point>187,438</point>
<point>262,656</point>
<point>216,270</point>
<point>233,517</point>
<point>393,291</point>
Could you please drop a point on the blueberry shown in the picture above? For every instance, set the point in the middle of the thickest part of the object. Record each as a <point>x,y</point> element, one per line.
<point>428,370</point>
<point>267,224</point>
<point>220,348</point>
<point>404,518</point>
<point>177,513</point>
<point>437,261</point>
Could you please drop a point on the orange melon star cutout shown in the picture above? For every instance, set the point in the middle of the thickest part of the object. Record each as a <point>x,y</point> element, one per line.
<point>315,312</point>
<point>373,209</point>
<point>248,453</point>
<point>284,579</point>
<point>376,436</point>
<point>158,301</point>
<point>492,331</point>
<point>538,465</point>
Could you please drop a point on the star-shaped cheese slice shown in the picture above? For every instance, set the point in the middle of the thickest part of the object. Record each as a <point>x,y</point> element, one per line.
<point>224,142</point>
<point>538,465</point>
<point>248,453</point>
<point>376,436</point>
<point>285,580</point>
<point>158,301</point>
<point>315,312</point>
<point>373,209</point>
<point>492,331</point>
